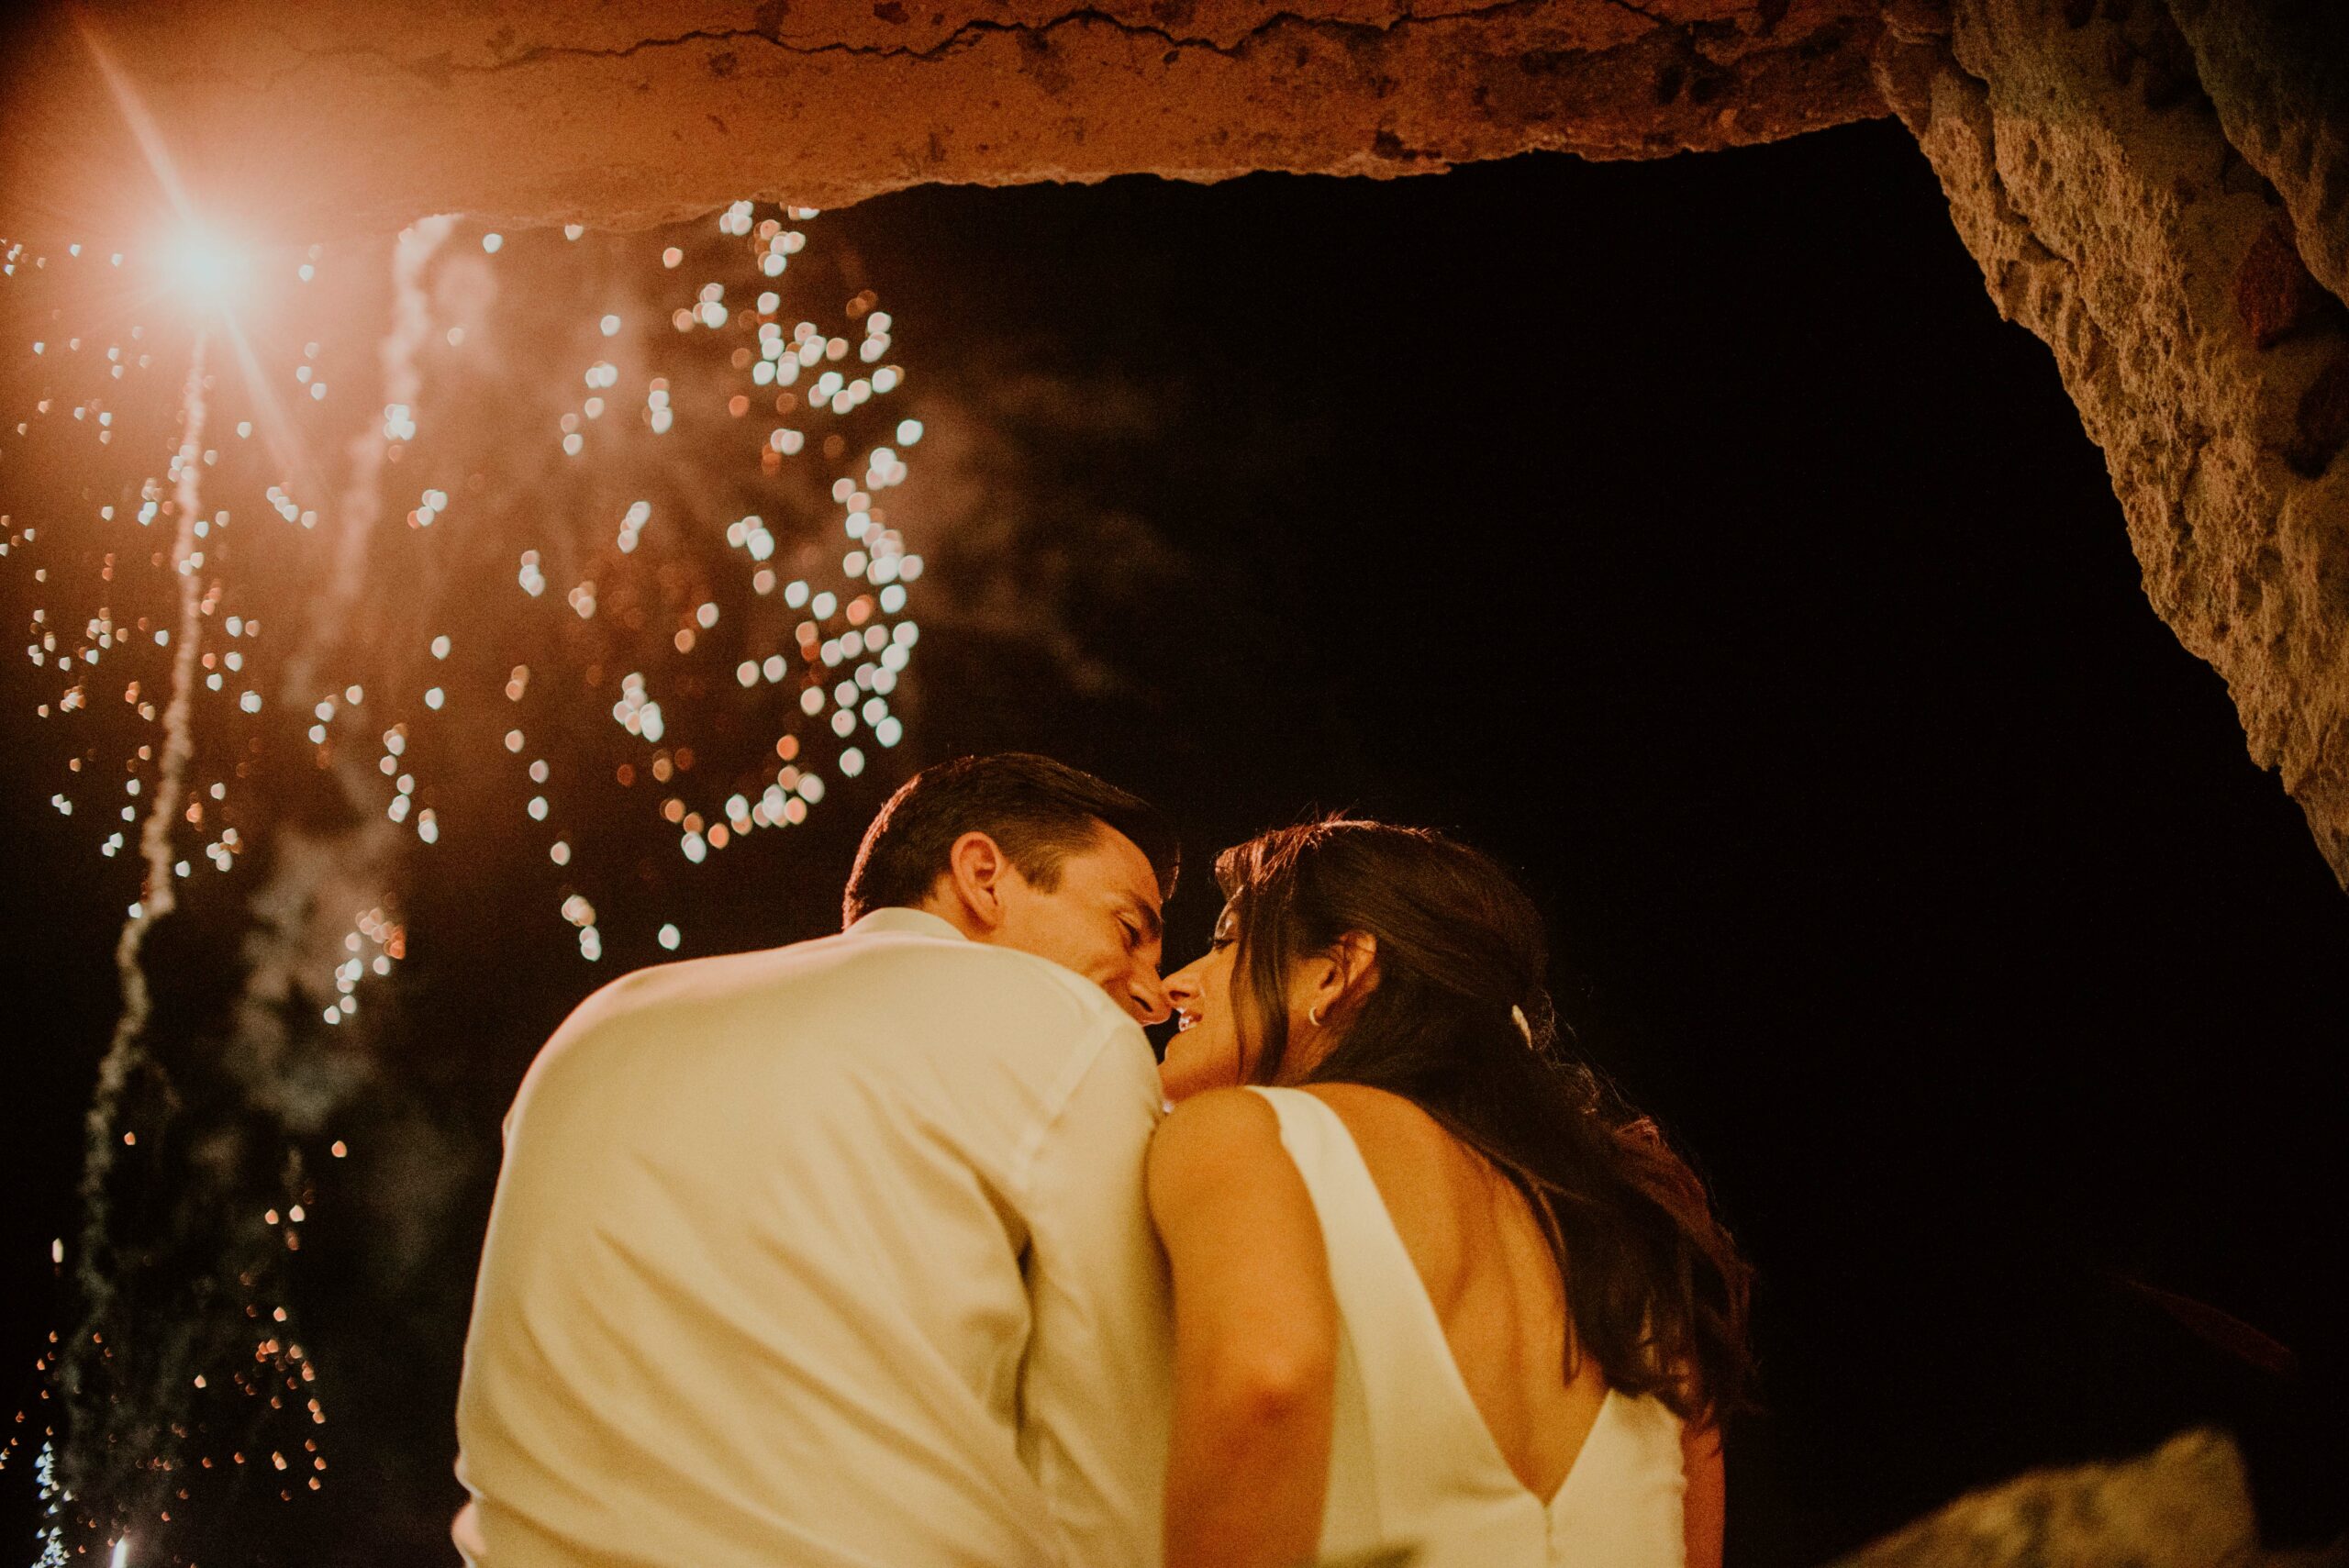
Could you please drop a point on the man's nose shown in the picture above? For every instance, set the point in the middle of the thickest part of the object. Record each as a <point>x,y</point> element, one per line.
<point>1147,996</point>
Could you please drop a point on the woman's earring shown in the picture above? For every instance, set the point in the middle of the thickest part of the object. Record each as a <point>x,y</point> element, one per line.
<point>1314,1013</point>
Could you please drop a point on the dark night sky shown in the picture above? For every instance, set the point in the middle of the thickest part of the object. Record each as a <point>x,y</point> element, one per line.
<point>1693,536</point>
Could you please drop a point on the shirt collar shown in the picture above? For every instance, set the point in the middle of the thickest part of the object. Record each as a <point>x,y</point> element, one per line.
<point>901,921</point>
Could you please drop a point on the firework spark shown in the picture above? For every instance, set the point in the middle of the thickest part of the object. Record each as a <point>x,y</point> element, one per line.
<point>700,470</point>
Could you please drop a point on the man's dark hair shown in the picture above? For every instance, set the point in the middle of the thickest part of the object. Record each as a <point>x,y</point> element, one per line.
<point>1038,812</point>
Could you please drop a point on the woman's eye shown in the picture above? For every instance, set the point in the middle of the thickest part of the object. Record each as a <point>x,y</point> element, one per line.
<point>1220,941</point>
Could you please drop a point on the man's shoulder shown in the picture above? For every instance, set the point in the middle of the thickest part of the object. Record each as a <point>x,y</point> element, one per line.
<point>886,969</point>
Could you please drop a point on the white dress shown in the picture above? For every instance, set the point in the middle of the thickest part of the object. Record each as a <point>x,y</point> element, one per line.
<point>1411,1460</point>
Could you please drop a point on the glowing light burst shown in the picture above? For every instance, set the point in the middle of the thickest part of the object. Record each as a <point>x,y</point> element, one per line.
<point>579,580</point>
<point>206,270</point>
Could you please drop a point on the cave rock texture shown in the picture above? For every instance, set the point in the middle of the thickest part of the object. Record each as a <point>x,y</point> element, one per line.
<point>313,119</point>
<point>2186,1505</point>
<point>2157,188</point>
<point>2161,192</point>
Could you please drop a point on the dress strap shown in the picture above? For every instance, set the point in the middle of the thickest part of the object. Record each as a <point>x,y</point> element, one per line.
<point>1432,1441</point>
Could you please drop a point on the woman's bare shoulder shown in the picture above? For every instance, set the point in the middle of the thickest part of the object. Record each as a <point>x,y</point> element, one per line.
<point>1216,1135</point>
<point>1216,1119</point>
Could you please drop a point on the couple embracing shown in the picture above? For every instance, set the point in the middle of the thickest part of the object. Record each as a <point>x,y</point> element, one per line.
<point>884,1251</point>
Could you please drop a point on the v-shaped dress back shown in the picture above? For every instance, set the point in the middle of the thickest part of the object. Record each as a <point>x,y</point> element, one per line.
<point>1411,1459</point>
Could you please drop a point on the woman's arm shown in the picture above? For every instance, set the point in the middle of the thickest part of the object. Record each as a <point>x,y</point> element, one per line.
<point>1706,1508</point>
<point>1255,1338</point>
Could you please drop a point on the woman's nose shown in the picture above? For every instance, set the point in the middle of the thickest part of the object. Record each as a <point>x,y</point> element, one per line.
<point>1182,986</point>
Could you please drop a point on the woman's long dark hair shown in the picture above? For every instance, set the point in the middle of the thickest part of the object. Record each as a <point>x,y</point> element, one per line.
<point>1657,1288</point>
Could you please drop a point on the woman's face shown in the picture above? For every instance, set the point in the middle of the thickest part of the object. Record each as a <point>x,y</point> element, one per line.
<point>1205,1053</point>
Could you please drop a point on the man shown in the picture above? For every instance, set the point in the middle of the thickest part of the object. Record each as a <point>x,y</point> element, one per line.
<point>836,1255</point>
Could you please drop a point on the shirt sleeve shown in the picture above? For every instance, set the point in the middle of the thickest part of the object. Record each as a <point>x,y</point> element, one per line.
<point>1097,1385</point>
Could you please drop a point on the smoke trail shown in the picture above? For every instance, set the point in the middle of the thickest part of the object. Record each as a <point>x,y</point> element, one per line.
<point>320,880</point>
<point>362,494</point>
<point>362,497</point>
<point>128,1052</point>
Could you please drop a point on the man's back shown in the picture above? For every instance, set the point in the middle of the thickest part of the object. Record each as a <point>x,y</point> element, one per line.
<point>753,1289</point>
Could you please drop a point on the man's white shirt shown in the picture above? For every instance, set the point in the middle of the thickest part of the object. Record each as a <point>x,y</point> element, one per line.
<point>834,1255</point>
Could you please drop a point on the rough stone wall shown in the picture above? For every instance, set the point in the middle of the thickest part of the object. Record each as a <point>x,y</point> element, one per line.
<point>2114,214</point>
<point>316,118</point>
<point>2279,75</point>
<point>2186,1505</point>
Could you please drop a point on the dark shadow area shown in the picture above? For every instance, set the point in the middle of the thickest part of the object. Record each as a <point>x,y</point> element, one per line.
<point>1696,537</point>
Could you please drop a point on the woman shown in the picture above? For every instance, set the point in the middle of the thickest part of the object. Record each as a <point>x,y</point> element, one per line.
<point>1432,1285</point>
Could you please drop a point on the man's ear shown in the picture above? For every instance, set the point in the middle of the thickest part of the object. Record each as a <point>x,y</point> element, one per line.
<point>975,870</point>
